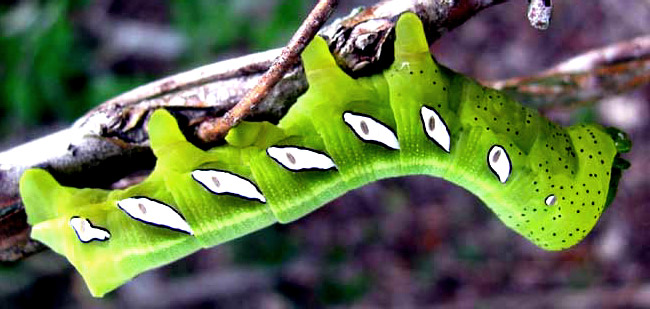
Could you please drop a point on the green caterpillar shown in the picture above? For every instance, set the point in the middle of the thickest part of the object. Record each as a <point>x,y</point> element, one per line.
<point>549,184</point>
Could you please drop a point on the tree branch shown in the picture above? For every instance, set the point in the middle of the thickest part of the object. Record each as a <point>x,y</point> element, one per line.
<point>110,141</point>
<point>585,78</point>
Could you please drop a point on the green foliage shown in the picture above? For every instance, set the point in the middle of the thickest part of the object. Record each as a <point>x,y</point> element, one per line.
<point>216,27</point>
<point>47,72</point>
<point>51,70</point>
<point>35,41</point>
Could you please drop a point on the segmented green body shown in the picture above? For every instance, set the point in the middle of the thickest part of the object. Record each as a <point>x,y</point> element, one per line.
<point>546,182</point>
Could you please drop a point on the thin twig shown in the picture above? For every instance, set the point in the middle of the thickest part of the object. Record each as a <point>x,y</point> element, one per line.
<point>586,78</point>
<point>213,129</point>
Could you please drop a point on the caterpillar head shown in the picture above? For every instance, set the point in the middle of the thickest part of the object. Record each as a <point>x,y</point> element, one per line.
<point>548,183</point>
<point>574,177</point>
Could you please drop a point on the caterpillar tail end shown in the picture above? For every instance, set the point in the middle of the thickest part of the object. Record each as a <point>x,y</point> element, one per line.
<point>43,198</point>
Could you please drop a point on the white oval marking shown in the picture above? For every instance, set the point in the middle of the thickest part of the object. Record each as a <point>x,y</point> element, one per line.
<point>155,213</point>
<point>86,232</point>
<point>223,182</point>
<point>550,200</point>
<point>499,163</point>
<point>370,130</point>
<point>297,159</point>
<point>435,127</point>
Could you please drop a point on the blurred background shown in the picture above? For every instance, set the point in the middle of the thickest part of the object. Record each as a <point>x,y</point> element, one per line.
<point>408,242</point>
